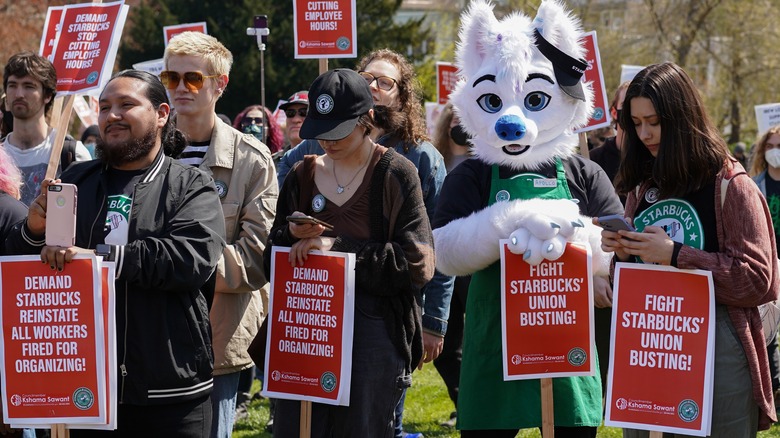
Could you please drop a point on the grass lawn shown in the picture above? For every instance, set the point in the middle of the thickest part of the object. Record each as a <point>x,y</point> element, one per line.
<point>427,405</point>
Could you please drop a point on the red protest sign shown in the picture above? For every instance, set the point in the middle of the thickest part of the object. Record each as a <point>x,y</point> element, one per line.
<point>50,29</point>
<point>446,77</point>
<point>661,360</point>
<point>86,47</point>
<point>53,369</point>
<point>547,314</point>
<point>595,75</point>
<point>171,31</point>
<point>325,29</point>
<point>309,350</point>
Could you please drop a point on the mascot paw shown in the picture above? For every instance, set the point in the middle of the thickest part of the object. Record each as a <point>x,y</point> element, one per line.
<point>543,237</point>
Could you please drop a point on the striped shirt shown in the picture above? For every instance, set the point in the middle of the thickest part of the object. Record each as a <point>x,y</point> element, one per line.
<point>194,152</point>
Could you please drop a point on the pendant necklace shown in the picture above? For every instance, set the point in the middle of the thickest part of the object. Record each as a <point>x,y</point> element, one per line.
<point>340,188</point>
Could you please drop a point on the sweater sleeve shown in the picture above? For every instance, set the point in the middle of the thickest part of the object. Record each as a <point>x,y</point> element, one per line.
<point>745,270</point>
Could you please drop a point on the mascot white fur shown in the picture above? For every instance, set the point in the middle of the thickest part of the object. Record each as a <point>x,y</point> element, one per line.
<point>519,96</point>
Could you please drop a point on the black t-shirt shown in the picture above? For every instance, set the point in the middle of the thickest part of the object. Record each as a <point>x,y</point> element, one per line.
<point>120,185</point>
<point>12,211</point>
<point>773,201</point>
<point>687,220</point>
<point>467,189</point>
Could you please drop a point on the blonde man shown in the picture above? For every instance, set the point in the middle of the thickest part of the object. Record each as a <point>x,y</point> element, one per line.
<point>197,68</point>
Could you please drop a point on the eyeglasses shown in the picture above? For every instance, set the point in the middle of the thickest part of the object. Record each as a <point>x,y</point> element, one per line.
<point>193,80</point>
<point>290,113</point>
<point>383,82</point>
<point>246,121</point>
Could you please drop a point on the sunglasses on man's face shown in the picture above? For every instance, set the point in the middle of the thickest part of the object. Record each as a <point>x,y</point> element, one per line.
<point>290,113</point>
<point>193,80</point>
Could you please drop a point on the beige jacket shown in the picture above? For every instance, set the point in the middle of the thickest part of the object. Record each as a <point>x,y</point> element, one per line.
<point>246,182</point>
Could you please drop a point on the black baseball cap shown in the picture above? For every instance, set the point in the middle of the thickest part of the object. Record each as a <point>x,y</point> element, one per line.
<point>568,70</point>
<point>337,98</point>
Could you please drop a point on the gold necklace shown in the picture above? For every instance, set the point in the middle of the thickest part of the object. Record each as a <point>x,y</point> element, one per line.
<point>339,188</point>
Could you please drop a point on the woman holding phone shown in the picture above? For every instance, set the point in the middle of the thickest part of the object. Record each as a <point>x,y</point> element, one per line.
<point>371,195</point>
<point>694,207</point>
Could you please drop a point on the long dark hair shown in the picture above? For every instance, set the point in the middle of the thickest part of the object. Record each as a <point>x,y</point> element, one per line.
<point>173,140</point>
<point>691,152</point>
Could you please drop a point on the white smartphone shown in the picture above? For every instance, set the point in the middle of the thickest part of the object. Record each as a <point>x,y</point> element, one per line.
<point>61,215</point>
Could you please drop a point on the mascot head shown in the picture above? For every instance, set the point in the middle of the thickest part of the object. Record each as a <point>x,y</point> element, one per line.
<point>520,93</point>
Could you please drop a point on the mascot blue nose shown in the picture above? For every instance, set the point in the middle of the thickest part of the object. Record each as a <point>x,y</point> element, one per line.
<point>510,128</point>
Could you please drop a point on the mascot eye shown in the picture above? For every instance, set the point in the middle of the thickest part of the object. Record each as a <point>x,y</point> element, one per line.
<point>490,103</point>
<point>537,101</point>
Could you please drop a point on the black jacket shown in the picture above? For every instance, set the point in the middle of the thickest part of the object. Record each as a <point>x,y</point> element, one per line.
<point>163,275</point>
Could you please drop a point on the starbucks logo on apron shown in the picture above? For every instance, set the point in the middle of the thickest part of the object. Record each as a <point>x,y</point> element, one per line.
<point>678,218</point>
<point>502,196</point>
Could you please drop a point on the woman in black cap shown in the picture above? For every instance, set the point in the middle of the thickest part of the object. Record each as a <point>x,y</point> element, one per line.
<point>372,197</point>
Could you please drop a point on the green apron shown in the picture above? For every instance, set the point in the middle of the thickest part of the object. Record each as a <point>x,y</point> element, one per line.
<point>485,400</point>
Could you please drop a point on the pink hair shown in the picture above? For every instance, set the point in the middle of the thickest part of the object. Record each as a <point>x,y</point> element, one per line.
<point>274,136</point>
<point>10,177</point>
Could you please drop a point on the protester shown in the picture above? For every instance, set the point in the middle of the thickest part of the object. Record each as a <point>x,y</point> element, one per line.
<point>295,110</point>
<point>30,84</point>
<point>246,182</point>
<point>674,156</point>
<point>259,122</point>
<point>162,322</point>
<point>89,138</point>
<point>453,143</point>
<point>766,173</point>
<point>372,197</point>
<point>608,155</point>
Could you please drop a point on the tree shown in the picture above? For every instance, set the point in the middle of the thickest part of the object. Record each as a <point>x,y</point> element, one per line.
<point>227,20</point>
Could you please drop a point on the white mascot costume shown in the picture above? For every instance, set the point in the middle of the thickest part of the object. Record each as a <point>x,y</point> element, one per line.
<point>520,96</point>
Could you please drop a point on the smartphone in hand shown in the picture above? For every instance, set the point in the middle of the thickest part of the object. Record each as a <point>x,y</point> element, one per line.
<point>614,223</point>
<point>61,215</point>
<point>308,220</point>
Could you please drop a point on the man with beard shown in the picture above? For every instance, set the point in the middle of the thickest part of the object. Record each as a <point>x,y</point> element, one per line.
<point>30,84</point>
<point>160,221</point>
<point>197,68</point>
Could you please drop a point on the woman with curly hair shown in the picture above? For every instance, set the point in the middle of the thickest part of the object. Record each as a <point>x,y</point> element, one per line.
<point>259,122</point>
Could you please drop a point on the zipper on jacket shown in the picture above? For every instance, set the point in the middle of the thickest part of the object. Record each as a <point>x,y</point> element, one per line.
<point>122,366</point>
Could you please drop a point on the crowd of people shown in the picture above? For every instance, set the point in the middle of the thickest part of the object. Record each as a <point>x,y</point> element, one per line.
<point>213,195</point>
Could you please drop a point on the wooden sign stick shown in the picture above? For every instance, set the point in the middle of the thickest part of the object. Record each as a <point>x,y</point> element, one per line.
<point>305,419</point>
<point>59,139</point>
<point>548,413</point>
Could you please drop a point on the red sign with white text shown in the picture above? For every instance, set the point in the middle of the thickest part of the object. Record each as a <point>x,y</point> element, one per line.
<point>661,360</point>
<point>309,350</point>
<point>325,29</point>
<point>52,363</point>
<point>446,78</point>
<point>594,74</point>
<point>50,28</point>
<point>86,47</point>
<point>171,31</point>
<point>547,314</point>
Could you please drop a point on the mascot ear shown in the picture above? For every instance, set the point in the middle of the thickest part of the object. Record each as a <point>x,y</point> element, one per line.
<point>474,34</point>
<point>559,27</point>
